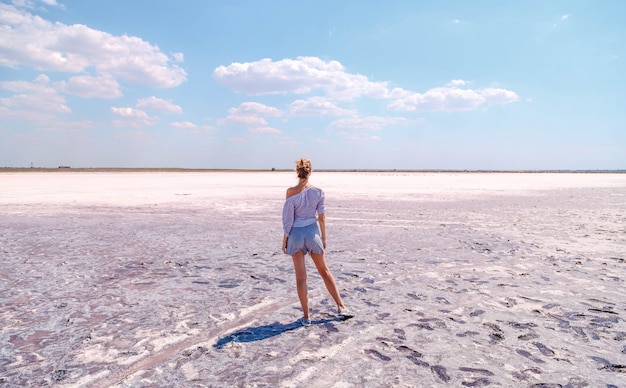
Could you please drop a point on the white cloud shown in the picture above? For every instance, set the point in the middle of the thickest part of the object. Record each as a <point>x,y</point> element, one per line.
<point>245,120</point>
<point>307,74</point>
<point>566,16</point>
<point>250,113</point>
<point>255,109</point>
<point>23,3</point>
<point>33,101</point>
<point>132,117</point>
<point>268,130</point>
<point>184,125</point>
<point>190,128</point>
<point>457,82</point>
<point>299,76</point>
<point>103,86</point>
<point>317,106</point>
<point>129,113</point>
<point>155,103</point>
<point>137,117</point>
<point>452,99</point>
<point>27,39</point>
<point>498,96</point>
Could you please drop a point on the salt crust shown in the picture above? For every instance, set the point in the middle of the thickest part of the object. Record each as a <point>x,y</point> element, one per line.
<point>457,278</point>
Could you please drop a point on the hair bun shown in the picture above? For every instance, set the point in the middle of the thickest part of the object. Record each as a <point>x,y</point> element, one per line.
<point>303,167</point>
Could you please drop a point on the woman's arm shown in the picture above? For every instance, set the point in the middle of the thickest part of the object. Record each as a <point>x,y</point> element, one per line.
<point>322,220</point>
<point>288,217</point>
<point>285,244</point>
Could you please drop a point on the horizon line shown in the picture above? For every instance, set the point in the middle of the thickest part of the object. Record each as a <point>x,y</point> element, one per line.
<point>184,169</point>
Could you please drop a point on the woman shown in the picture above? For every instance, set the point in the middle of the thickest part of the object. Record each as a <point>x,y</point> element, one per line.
<point>303,209</point>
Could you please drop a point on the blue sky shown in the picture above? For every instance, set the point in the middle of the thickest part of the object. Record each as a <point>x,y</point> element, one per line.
<point>350,84</point>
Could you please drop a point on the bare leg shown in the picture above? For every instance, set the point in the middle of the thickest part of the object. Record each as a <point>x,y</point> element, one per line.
<point>300,267</point>
<point>329,280</point>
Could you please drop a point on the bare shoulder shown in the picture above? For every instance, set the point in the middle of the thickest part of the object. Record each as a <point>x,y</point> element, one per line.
<point>292,191</point>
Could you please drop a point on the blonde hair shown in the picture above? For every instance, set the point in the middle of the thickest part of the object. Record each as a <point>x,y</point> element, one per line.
<point>303,168</point>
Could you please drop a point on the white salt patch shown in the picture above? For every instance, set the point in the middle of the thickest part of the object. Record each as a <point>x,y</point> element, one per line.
<point>97,353</point>
<point>140,188</point>
<point>131,359</point>
<point>553,292</point>
<point>301,378</point>
<point>453,270</point>
<point>190,372</point>
<point>161,342</point>
<point>88,380</point>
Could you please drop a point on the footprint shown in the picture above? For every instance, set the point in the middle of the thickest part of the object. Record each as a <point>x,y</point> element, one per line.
<point>417,361</point>
<point>495,337</point>
<point>477,382</point>
<point>400,333</point>
<point>441,372</point>
<point>404,348</point>
<point>476,370</point>
<point>413,355</point>
<point>522,375</point>
<point>544,349</point>
<point>563,323</point>
<point>425,326</point>
<point>620,336</point>
<point>377,354</point>
<point>497,334</point>
<point>493,327</point>
<point>230,283</point>
<point>526,354</point>
<point>416,297</point>
<point>518,325</point>
<point>528,336</point>
<point>467,333</point>
<point>609,365</point>
<point>386,341</point>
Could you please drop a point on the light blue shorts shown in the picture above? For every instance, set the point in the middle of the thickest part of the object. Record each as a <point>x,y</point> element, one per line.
<point>305,238</point>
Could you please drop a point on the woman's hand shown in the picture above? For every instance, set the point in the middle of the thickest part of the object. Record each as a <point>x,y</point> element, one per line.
<point>285,244</point>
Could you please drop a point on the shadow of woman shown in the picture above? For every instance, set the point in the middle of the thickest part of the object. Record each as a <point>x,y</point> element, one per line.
<point>258,333</point>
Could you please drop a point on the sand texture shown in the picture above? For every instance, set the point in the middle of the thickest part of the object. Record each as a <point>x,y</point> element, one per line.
<point>177,279</point>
